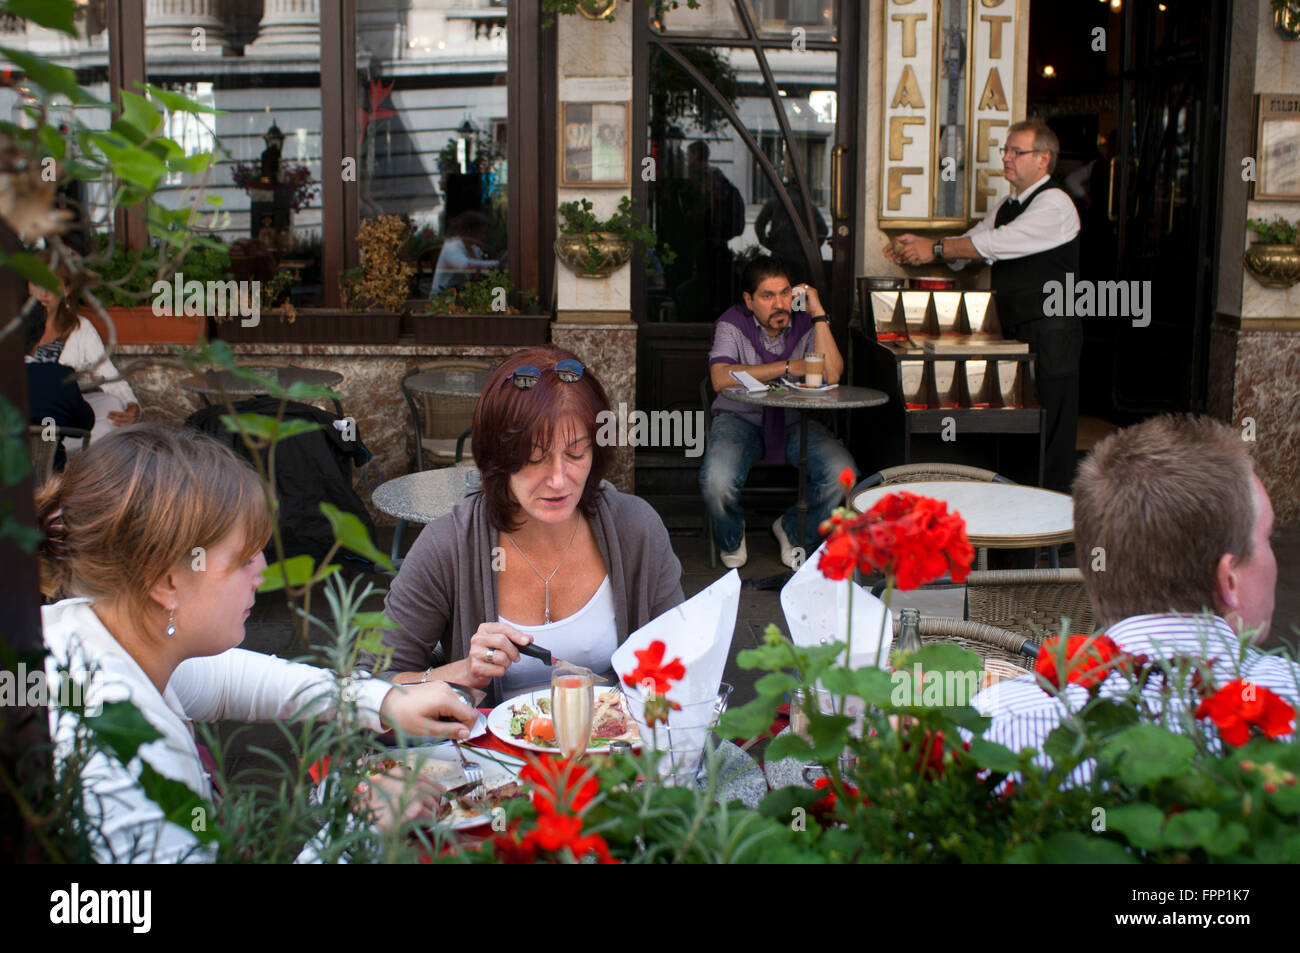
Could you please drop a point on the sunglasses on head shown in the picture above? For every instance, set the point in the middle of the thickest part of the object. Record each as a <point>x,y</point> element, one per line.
<point>567,370</point>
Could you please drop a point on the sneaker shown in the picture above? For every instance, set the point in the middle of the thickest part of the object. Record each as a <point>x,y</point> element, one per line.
<point>738,558</point>
<point>789,554</point>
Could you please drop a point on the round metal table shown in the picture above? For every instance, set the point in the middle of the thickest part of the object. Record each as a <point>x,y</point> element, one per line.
<point>841,398</point>
<point>997,515</point>
<point>223,383</point>
<point>451,383</point>
<point>423,497</point>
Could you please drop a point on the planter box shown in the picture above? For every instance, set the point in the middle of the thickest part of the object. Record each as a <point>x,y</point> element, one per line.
<point>140,325</point>
<point>314,326</point>
<point>483,329</point>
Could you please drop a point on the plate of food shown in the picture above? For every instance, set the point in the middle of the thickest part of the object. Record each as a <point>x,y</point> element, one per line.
<point>525,721</point>
<point>799,386</point>
<point>440,764</point>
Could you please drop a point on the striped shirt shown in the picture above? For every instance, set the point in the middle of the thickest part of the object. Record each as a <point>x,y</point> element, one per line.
<point>1024,714</point>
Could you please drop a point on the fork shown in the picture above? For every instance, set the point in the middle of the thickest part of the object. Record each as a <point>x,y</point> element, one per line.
<point>473,772</point>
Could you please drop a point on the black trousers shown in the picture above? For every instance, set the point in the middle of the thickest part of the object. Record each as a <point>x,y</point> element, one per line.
<point>1057,344</point>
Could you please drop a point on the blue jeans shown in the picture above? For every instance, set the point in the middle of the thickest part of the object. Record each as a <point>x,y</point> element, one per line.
<point>735,445</point>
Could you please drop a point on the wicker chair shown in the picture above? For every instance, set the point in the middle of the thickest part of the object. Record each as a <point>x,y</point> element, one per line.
<point>1031,602</point>
<point>43,451</point>
<point>988,642</point>
<point>441,424</point>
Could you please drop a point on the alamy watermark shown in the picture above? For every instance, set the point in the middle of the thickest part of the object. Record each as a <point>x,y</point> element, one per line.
<point>21,688</point>
<point>1098,299</point>
<point>657,428</point>
<point>214,298</point>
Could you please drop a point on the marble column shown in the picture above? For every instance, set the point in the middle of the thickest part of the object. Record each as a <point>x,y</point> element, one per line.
<point>289,27</point>
<point>170,24</point>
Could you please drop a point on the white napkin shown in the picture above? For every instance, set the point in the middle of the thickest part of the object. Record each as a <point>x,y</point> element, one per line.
<point>816,611</point>
<point>698,632</point>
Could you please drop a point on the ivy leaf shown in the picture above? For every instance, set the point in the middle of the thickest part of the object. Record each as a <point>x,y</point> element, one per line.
<point>139,116</point>
<point>122,729</point>
<point>1142,824</point>
<point>179,804</point>
<point>298,569</point>
<point>351,534</point>
<point>31,268</point>
<point>1147,753</point>
<point>995,757</point>
<point>130,164</point>
<point>748,720</point>
<point>51,14</point>
<point>175,102</point>
<point>873,685</point>
<point>53,79</point>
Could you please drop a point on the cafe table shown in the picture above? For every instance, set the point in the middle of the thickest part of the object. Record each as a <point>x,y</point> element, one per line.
<point>997,515</point>
<point>224,383</point>
<point>787,398</point>
<point>449,383</point>
<point>423,497</point>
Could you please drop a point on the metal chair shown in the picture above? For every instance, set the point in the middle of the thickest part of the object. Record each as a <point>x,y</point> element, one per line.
<point>441,425</point>
<point>1031,602</point>
<point>43,451</point>
<point>706,402</point>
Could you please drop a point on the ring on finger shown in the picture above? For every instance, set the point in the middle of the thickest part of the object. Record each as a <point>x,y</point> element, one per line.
<point>488,657</point>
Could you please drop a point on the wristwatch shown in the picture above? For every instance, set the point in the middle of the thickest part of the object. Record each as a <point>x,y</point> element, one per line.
<point>938,250</point>
<point>822,319</point>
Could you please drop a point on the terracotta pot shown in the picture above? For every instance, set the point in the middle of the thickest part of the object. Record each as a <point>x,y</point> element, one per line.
<point>1276,266</point>
<point>314,326</point>
<point>612,253</point>
<point>139,325</point>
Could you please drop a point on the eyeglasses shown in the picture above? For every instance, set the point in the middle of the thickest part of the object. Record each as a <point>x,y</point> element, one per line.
<point>567,370</point>
<point>1017,153</point>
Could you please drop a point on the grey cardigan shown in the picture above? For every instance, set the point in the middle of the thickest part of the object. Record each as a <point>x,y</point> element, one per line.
<point>447,588</point>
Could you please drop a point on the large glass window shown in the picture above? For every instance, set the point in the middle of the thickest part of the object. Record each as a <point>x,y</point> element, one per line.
<point>432,127</point>
<point>260,65</point>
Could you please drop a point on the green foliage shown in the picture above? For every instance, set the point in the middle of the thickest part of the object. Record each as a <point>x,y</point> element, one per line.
<point>476,297</point>
<point>1277,232</point>
<point>577,218</point>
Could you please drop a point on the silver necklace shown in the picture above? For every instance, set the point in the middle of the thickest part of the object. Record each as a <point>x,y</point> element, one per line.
<point>546,582</point>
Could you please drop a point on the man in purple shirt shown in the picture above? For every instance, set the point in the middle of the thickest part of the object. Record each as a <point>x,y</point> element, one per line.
<point>767,338</point>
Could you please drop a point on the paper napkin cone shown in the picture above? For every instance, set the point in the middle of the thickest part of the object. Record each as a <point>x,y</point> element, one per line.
<point>816,612</point>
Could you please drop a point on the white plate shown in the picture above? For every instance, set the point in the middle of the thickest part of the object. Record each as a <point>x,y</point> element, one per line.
<point>440,763</point>
<point>415,741</point>
<point>804,387</point>
<point>499,723</point>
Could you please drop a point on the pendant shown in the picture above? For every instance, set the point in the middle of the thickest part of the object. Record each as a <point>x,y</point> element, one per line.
<point>548,604</point>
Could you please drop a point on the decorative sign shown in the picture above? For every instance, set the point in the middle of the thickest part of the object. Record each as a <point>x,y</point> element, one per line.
<point>949,84</point>
<point>595,148</point>
<point>1277,147</point>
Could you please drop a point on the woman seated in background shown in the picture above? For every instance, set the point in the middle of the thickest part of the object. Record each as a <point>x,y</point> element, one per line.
<point>52,391</point>
<point>72,341</point>
<point>148,623</point>
<point>543,552</point>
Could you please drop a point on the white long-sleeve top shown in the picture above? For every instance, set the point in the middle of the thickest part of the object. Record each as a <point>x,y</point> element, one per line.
<point>1050,221</point>
<point>83,350</point>
<point>237,685</point>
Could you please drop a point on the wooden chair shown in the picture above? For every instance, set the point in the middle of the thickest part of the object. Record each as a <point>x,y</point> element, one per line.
<point>1031,602</point>
<point>441,425</point>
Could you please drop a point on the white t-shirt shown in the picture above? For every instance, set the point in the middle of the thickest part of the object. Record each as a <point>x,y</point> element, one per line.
<point>587,638</point>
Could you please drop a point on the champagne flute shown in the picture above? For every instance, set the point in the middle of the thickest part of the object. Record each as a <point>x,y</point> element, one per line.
<point>573,700</point>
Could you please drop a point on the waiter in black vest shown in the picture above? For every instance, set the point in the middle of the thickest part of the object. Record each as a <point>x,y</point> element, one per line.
<point>1029,238</point>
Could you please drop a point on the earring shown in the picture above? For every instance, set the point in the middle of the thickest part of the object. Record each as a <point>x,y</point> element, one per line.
<point>171,622</point>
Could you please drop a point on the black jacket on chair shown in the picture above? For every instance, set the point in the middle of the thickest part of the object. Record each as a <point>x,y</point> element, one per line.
<point>310,469</point>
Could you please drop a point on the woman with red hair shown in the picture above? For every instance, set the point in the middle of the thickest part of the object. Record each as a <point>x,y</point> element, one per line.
<point>544,552</point>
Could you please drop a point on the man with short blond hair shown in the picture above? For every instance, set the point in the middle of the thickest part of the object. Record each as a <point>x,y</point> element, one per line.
<point>1173,530</point>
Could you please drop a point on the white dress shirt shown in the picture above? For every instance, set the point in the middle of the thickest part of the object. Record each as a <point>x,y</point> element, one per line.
<point>237,684</point>
<point>1050,221</point>
<point>83,351</point>
<point>1024,715</point>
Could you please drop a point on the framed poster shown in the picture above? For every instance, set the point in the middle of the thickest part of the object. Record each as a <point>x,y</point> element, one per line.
<point>1277,147</point>
<point>595,148</point>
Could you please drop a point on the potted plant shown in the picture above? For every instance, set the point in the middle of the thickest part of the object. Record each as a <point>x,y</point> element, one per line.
<point>127,279</point>
<point>592,248</point>
<point>1273,258</point>
<point>486,310</point>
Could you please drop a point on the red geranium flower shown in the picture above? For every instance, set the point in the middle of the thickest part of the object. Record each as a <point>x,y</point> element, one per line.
<point>914,539</point>
<point>560,786</point>
<point>509,851</point>
<point>824,809</point>
<point>1089,659</point>
<point>1238,705</point>
<point>651,667</point>
<point>847,478</point>
<point>839,556</point>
